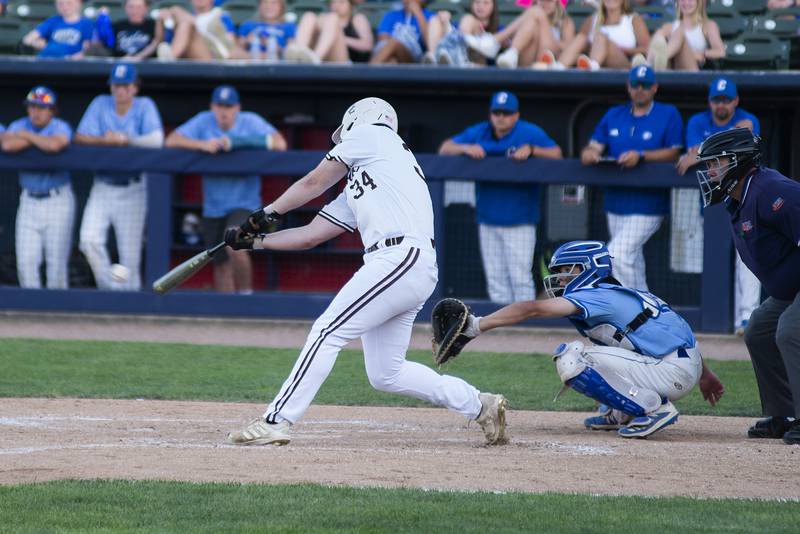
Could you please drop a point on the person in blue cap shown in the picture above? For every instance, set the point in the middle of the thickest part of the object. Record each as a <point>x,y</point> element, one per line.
<point>227,200</point>
<point>723,114</point>
<point>507,213</point>
<point>631,134</point>
<point>47,205</point>
<point>118,199</point>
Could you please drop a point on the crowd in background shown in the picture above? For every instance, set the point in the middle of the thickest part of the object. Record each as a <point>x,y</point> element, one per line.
<point>542,35</point>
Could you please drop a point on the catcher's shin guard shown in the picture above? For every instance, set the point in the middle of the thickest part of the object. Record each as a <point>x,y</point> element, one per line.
<point>604,386</point>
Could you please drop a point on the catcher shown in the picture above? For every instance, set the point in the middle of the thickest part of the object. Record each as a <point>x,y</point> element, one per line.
<point>644,354</point>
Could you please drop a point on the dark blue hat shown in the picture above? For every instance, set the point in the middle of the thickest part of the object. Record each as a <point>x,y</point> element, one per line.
<point>722,87</point>
<point>122,74</point>
<point>41,96</point>
<point>225,95</point>
<point>642,74</point>
<point>504,101</point>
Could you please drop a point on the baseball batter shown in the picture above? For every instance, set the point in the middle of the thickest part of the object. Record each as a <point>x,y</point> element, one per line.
<point>118,200</point>
<point>387,200</point>
<point>644,354</point>
<point>47,205</point>
<point>644,130</point>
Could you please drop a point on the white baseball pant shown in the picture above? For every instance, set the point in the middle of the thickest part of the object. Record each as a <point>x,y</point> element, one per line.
<point>44,226</point>
<point>378,304</point>
<point>124,208</point>
<point>507,253</point>
<point>746,292</point>
<point>629,233</point>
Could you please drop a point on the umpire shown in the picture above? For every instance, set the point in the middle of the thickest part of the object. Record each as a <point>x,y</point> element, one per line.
<point>764,207</point>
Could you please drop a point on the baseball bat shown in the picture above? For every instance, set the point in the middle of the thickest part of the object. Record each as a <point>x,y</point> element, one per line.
<point>185,270</point>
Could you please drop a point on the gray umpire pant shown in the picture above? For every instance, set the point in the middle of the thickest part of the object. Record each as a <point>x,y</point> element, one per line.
<point>773,341</point>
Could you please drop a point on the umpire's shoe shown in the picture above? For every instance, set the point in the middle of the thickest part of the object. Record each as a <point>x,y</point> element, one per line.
<point>792,436</point>
<point>492,418</point>
<point>769,428</point>
<point>259,432</point>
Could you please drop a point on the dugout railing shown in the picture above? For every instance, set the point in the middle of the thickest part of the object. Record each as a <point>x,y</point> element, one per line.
<point>710,311</point>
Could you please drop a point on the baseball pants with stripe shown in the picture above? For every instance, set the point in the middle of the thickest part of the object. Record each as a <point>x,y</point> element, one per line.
<point>378,304</point>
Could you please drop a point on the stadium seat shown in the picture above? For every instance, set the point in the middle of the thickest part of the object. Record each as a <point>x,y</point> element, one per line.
<point>12,30</point>
<point>756,51</point>
<point>455,8</point>
<point>508,11</point>
<point>578,13</point>
<point>295,10</point>
<point>240,10</point>
<point>654,16</point>
<point>34,11</point>
<point>783,23</point>
<point>730,22</point>
<point>374,11</point>
<point>116,9</point>
<point>745,7</point>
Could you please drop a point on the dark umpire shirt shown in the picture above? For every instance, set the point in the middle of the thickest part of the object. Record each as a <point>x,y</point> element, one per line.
<point>766,231</point>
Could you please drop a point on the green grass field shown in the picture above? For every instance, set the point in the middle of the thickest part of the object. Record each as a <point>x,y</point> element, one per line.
<point>37,368</point>
<point>46,368</point>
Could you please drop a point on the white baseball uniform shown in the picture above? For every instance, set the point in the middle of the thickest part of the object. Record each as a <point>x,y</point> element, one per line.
<point>386,198</point>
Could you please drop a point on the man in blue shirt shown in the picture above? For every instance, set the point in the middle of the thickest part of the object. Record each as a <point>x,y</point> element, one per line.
<point>402,34</point>
<point>46,206</point>
<point>724,114</point>
<point>227,200</point>
<point>630,134</point>
<point>644,354</point>
<point>118,200</point>
<point>507,213</point>
<point>764,208</point>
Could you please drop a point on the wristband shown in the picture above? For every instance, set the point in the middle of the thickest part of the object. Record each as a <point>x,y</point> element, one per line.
<point>270,142</point>
<point>258,243</point>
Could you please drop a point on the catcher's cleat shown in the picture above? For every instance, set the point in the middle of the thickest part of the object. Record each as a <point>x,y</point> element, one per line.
<point>643,426</point>
<point>492,418</point>
<point>259,432</point>
<point>769,428</point>
<point>606,419</point>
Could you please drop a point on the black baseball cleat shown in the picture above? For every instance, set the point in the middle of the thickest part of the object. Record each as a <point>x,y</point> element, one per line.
<point>770,428</point>
<point>792,436</point>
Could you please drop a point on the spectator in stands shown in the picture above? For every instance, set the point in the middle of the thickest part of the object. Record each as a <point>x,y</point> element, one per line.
<point>46,206</point>
<point>688,42</point>
<point>544,31</point>
<point>118,200</point>
<point>507,213</point>
<point>447,45</point>
<point>724,114</point>
<point>3,7</point>
<point>269,35</point>
<point>615,37</point>
<point>227,200</point>
<point>402,34</point>
<point>630,134</point>
<point>66,35</point>
<point>137,35</point>
<point>338,36</point>
<point>208,33</point>
<point>781,4</point>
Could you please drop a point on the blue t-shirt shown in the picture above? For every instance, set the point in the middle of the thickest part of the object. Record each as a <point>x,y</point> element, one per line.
<point>766,231</point>
<point>282,31</point>
<point>399,17</point>
<point>223,194</point>
<point>506,204</point>
<point>64,38</point>
<point>619,130</point>
<point>702,125</point>
<point>39,182</point>
<point>101,117</point>
<point>606,309</point>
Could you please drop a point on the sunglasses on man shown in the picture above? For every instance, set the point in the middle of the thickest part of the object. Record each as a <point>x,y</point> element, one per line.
<point>641,85</point>
<point>502,112</point>
<point>721,100</point>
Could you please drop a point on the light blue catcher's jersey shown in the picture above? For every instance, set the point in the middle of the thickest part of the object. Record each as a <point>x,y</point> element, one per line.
<point>609,309</point>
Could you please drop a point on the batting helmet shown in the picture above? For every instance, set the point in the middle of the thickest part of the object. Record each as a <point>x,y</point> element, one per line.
<point>370,110</point>
<point>591,256</point>
<point>743,152</point>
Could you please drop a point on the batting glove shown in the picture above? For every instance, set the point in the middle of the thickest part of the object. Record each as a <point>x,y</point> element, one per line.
<point>237,239</point>
<point>259,221</point>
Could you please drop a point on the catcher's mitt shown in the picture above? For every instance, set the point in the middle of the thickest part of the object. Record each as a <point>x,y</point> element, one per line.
<point>449,319</point>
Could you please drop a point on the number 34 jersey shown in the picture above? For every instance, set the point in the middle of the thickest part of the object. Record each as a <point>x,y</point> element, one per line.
<point>385,194</point>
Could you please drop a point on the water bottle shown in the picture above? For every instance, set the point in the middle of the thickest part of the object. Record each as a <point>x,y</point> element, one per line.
<point>272,48</point>
<point>255,46</point>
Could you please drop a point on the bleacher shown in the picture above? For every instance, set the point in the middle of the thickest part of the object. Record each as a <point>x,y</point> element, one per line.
<point>755,37</point>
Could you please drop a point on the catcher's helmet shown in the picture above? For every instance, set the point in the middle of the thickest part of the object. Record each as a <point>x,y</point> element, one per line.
<point>370,110</point>
<point>742,149</point>
<point>592,256</point>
